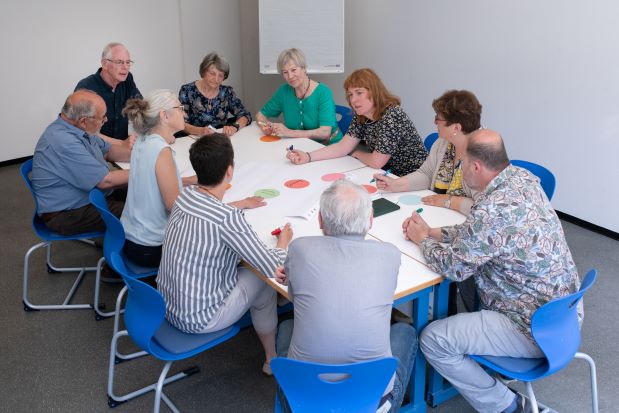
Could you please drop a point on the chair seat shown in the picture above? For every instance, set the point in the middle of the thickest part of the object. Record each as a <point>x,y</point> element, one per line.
<point>524,369</point>
<point>48,235</point>
<point>138,271</point>
<point>169,339</point>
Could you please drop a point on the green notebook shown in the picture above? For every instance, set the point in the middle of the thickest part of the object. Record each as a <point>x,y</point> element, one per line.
<point>383,206</point>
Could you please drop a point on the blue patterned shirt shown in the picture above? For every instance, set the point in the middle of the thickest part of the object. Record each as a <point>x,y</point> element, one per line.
<point>202,111</point>
<point>513,244</point>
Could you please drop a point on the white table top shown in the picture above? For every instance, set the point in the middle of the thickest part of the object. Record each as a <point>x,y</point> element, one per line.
<point>263,165</point>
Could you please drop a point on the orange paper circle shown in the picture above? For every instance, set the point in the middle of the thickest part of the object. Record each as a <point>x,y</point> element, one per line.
<point>228,186</point>
<point>371,189</point>
<point>270,138</point>
<point>333,177</point>
<point>296,183</point>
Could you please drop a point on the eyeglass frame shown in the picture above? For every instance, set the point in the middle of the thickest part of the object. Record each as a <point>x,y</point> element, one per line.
<point>120,62</point>
<point>102,119</point>
<point>437,119</point>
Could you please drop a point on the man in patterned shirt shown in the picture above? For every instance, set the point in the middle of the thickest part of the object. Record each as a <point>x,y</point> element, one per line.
<point>512,243</point>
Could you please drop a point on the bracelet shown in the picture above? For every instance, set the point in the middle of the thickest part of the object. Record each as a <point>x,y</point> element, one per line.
<point>309,156</point>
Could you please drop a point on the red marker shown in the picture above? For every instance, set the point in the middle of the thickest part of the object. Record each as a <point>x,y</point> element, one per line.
<point>276,231</point>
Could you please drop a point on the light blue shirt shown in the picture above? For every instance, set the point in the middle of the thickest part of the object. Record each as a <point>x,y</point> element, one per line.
<point>67,164</point>
<point>145,216</point>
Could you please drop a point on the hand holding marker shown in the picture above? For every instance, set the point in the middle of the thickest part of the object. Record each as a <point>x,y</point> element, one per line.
<point>387,172</point>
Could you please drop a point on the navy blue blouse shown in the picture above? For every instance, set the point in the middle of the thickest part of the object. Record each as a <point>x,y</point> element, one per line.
<point>202,111</point>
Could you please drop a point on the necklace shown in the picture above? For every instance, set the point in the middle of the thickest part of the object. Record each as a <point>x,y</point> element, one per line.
<point>209,192</point>
<point>309,81</point>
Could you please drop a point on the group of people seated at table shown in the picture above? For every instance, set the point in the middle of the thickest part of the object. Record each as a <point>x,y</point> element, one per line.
<point>511,247</point>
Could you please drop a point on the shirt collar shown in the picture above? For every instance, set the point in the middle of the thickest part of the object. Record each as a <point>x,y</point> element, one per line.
<point>75,129</point>
<point>503,176</point>
<point>103,82</point>
<point>351,237</point>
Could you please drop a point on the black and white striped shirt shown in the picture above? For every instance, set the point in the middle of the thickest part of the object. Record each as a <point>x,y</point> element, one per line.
<point>204,242</point>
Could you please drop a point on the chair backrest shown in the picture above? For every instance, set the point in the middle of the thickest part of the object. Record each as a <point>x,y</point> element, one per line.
<point>25,170</point>
<point>114,238</point>
<point>555,328</point>
<point>144,309</point>
<point>345,117</point>
<point>307,390</point>
<point>429,140</point>
<point>547,179</point>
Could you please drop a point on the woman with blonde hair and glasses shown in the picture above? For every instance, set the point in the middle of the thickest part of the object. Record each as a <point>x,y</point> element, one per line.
<point>307,106</point>
<point>390,137</point>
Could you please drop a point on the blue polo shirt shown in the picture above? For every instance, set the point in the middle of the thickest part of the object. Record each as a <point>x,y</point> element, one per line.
<point>67,164</point>
<point>117,126</point>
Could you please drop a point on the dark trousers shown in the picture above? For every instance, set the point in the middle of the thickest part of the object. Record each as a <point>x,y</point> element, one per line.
<point>142,255</point>
<point>86,218</point>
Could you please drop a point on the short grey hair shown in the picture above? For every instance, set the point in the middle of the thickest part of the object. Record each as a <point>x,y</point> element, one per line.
<point>107,50</point>
<point>345,208</point>
<point>144,113</point>
<point>294,55</point>
<point>82,108</point>
<point>214,59</point>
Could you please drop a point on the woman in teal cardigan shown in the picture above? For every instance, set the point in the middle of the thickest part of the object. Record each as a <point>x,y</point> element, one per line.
<point>307,106</point>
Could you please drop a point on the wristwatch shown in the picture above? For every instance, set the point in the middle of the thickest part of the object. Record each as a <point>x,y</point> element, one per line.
<point>237,126</point>
<point>448,202</point>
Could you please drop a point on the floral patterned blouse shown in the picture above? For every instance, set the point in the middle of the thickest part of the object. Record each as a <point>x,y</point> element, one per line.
<point>513,244</point>
<point>202,111</point>
<point>393,134</point>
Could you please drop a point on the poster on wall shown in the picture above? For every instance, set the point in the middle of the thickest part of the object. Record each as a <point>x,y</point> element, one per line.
<point>316,27</point>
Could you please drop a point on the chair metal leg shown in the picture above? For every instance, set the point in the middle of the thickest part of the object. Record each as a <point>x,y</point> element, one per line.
<point>100,315</point>
<point>532,398</point>
<point>114,400</point>
<point>159,391</point>
<point>119,357</point>
<point>594,382</point>
<point>28,305</point>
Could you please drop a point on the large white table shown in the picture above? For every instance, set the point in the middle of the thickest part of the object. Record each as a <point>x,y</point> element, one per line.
<point>263,165</point>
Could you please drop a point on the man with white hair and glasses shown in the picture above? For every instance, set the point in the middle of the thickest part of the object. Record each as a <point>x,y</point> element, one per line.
<point>114,83</point>
<point>342,287</point>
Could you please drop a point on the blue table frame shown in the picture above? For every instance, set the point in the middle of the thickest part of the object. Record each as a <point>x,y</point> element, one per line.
<point>417,383</point>
<point>439,389</point>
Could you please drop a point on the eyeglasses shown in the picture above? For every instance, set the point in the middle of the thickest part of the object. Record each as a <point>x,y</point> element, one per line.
<point>181,107</point>
<point>121,62</point>
<point>102,120</point>
<point>437,119</point>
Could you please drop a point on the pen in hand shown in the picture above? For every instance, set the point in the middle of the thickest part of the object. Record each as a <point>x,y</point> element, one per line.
<point>387,172</point>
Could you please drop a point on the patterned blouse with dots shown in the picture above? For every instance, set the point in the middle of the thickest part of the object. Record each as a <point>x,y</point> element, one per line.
<point>393,134</point>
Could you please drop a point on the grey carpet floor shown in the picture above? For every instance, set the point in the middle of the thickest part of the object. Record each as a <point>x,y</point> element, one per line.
<point>57,361</point>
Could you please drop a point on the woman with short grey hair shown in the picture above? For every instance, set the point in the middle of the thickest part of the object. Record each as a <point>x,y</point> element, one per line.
<point>307,106</point>
<point>211,105</point>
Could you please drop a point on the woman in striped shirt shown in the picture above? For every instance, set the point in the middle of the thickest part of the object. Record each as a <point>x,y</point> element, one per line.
<point>199,277</point>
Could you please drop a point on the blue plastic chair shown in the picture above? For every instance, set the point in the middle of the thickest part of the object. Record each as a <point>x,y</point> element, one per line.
<point>429,140</point>
<point>547,179</point>
<point>48,236</point>
<point>555,328</point>
<point>147,326</point>
<point>345,117</point>
<point>359,390</point>
<point>113,241</point>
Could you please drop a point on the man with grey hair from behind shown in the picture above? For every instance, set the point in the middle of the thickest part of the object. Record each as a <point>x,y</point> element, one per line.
<point>342,287</point>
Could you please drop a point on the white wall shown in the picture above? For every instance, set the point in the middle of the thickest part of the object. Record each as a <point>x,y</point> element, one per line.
<point>48,47</point>
<point>545,72</point>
